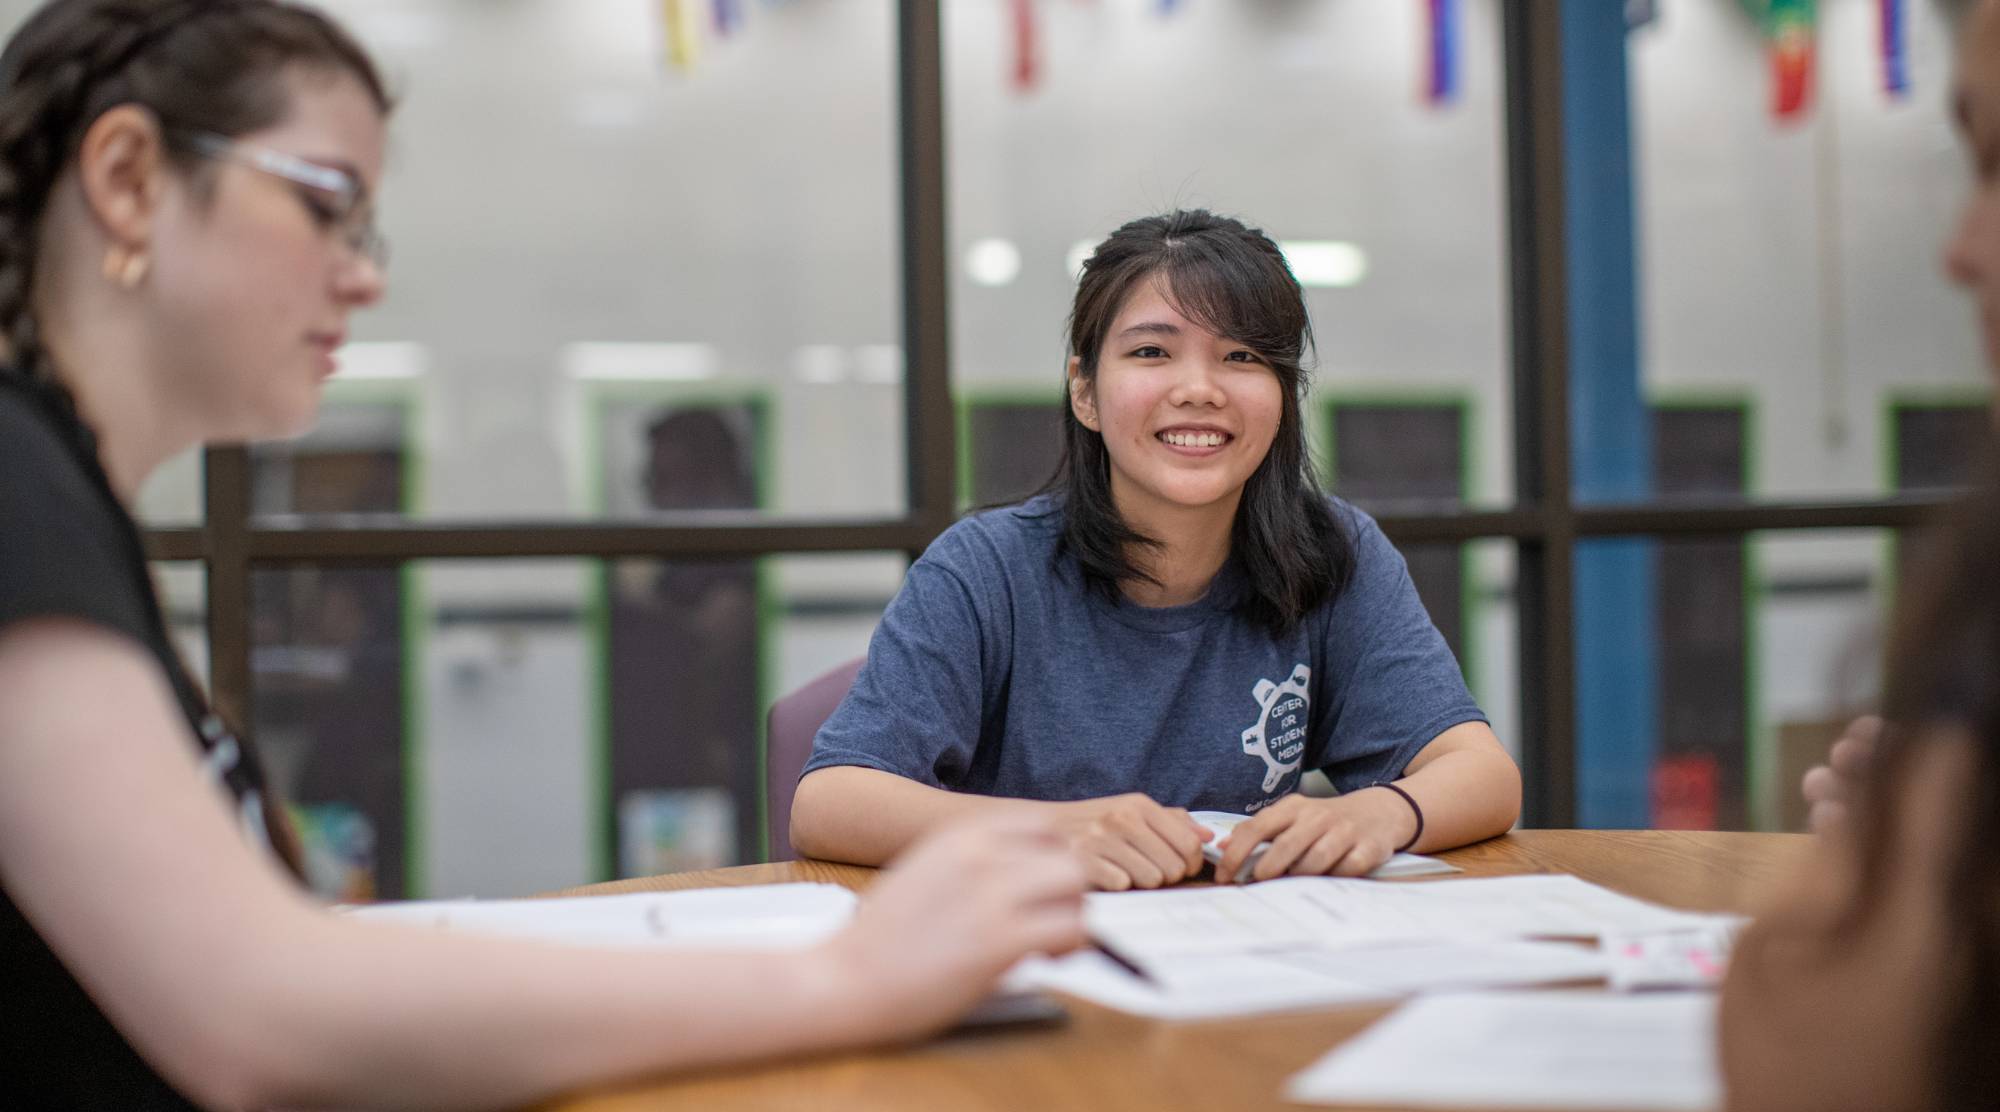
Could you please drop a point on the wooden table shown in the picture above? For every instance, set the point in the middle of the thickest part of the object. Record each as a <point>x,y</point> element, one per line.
<point>1106,1060</point>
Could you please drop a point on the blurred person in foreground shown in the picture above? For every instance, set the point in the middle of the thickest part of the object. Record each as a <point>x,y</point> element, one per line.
<point>1972,260</point>
<point>1873,984</point>
<point>186,223</point>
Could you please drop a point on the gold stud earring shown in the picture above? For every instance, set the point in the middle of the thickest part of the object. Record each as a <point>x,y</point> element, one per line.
<point>127,268</point>
<point>134,271</point>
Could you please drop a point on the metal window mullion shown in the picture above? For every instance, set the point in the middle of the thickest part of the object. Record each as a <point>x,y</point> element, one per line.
<point>226,539</point>
<point>416,540</point>
<point>277,541</point>
<point>1539,305</point>
<point>930,455</point>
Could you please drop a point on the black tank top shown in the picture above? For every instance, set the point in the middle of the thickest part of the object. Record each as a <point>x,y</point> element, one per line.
<point>69,549</point>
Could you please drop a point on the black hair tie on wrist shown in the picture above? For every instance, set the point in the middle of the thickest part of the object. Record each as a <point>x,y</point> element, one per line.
<point>1419,811</point>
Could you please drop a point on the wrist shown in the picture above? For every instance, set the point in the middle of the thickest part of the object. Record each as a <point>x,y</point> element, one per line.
<point>1407,819</point>
<point>1075,812</point>
<point>840,1002</point>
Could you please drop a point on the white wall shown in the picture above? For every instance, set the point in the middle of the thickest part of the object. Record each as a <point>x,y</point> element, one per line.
<point>1798,263</point>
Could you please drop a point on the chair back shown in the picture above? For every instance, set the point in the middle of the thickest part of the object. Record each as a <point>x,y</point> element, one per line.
<point>788,736</point>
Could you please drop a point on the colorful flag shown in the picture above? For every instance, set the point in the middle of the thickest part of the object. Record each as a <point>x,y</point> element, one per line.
<point>728,18</point>
<point>1792,28</point>
<point>1027,60</point>
<point>1895,47</point>
<point>683,43</point>
<point>1441,51</point>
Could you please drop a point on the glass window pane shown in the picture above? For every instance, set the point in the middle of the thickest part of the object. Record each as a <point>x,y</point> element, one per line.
<point>590,235</point>
<point>1469,590</point>
<point>1314,121</point>
<point>504,727</point>
<point>1712,672</point>
<point>1790,262</point>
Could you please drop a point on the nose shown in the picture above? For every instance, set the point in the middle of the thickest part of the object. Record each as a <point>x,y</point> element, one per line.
<point>361,282</point>
<point>1195,384</point>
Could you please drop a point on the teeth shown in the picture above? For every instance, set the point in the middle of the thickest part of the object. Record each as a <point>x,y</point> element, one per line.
<point>1193,439</point>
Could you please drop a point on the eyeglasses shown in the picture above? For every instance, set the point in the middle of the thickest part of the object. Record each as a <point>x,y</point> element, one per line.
<point>337,202</point>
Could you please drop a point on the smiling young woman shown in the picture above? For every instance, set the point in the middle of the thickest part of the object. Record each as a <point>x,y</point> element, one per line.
<point>1181,620</point>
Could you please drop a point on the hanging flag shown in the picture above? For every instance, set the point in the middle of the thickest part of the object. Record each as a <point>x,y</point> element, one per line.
<point>1895,47</point>
<point>1441,51</point>
<point>1027,62</point>
<point>1792,30</point>
<point>728,18</point>
<point>683,44</point>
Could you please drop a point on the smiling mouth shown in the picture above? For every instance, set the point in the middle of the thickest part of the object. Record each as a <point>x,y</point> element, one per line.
<point>1193,438</point>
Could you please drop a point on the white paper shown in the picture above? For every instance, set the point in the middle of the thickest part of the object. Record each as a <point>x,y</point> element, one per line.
<point>1434,967</point>
<point>773,916</point>
<point>1154,928</point>
<point>1213,987</point>
<point>1540,906</point>
<point>1160,926</point>
<point>1412,864</point>
<point>1537,1050</point>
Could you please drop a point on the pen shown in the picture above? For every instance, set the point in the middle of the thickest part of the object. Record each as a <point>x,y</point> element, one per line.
<point>1120,960</point>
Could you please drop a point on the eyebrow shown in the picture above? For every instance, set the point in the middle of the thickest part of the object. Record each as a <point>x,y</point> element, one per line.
<point>1151,328</point>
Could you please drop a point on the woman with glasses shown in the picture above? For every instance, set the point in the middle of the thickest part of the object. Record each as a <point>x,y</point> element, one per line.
<point>185,228</point>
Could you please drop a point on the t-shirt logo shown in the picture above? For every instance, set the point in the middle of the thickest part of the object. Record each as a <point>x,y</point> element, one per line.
<point>1279,737</point>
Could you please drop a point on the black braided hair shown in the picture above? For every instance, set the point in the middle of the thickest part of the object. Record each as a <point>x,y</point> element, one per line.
<point>207,65</point>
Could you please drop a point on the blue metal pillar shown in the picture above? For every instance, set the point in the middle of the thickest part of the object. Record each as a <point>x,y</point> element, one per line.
<point>1617,694</point>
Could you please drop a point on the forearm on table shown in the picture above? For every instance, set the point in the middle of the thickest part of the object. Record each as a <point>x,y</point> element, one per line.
<point>865,816</point>
<point>1466,784</point>
<point>383,1015</point>
<point>245,994</point>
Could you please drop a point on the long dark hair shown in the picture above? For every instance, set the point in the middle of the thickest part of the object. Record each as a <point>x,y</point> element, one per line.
<point>198,65</point>
<point>1233,281</point>
<point>1944,672</point>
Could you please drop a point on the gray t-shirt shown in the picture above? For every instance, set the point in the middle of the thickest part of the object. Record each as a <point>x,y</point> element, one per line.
<point>996,671</point>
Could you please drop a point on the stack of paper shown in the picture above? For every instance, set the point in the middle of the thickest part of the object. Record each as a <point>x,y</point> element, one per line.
<point>1528,1050</point>
<point>1307,942</point>
<point>1218,986</point>
<point>1332,912</point>
<point>775,916</point>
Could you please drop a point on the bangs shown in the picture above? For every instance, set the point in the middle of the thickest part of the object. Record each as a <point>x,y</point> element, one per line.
<point>1250,298</point>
